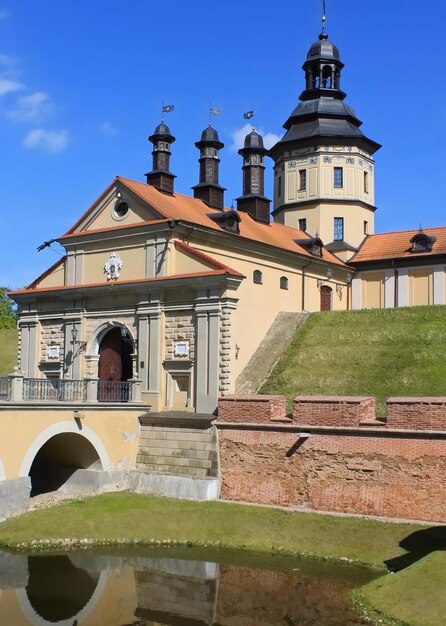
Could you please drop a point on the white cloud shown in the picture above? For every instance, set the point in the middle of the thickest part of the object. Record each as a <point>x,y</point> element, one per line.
<point>108,128</point>
<point>32,108</point>
<point>238,137</point>
<point>8,85</point>
<point>50,141</point>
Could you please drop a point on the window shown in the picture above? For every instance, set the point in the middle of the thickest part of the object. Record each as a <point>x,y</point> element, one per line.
<point>338,228</point>
<point>338,177</point>
<point>257,277</point>
<point>302,180</point>
<point>283,282</point>
<point>279,186</point>
<point>366,227</point>
<point>303,223</point>
<point>366,182</point>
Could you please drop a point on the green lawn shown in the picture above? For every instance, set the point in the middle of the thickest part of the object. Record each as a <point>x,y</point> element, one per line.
<point>8,350</point>
<point>380,353</point>
<point>262,529</point>
<point>415,596</point>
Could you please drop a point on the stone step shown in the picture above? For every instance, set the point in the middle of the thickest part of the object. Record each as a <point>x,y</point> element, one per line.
<point>171,444</point>
<point>174,470</point>
<point>175,461</point>
<point>177,452</point>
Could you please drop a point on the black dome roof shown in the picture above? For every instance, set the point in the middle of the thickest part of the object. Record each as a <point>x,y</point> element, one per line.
<point>254,140</point>
<point>209,134</point>
<point>162,129</point>
<point>323,48</point>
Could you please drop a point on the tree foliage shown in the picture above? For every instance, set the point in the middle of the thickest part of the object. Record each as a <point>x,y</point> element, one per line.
<point>7,310</point>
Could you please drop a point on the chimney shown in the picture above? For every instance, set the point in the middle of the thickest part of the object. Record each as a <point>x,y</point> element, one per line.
<point>208,188</point>
<point>253,200</point>
<point>160,177</point>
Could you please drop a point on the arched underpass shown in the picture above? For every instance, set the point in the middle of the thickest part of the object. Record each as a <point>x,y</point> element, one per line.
<point>58,459</point>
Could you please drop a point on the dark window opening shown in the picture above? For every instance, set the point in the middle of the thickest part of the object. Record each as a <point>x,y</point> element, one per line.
<point>338,228</point>
<point>366,227</point>
<point>302,180</point>
<point>121,209</point>
<point>283,282</point>
<point>303,223</point>
<point>257,277</point>
<point>366,182</point>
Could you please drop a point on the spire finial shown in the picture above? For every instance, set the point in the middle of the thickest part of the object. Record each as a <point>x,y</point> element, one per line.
<point>323,34</point>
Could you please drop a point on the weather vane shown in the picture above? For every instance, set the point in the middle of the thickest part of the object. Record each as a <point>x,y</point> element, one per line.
<point>166,108</point>
<point>213,111</point>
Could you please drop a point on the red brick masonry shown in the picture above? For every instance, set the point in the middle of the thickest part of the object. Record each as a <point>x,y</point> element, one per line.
<point>333,410</point>
<point>417,413</point>
<point>251,409</point>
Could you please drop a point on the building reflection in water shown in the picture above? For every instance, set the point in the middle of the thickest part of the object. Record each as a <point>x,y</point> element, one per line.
<point>84,590</point>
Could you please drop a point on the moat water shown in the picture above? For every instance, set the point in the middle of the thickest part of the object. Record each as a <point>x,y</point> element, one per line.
<point>179,588</point>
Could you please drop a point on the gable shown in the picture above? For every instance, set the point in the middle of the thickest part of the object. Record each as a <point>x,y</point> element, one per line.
<point>117,206</point>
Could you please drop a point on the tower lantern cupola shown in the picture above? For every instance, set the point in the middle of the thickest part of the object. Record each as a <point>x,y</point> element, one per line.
<point>161,177</point>
<point>208,189</point>
<point>253,200</point>
<point>323,70</point>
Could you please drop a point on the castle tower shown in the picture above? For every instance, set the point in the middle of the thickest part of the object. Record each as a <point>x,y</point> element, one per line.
<point>323,166</point>
<point>208,189</point>
<point>253,200</point>
<point>161,177</point>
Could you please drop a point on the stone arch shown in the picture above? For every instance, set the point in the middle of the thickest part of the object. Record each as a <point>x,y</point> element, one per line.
<point>59,429</point>
<point>99,333</point>
<point>34,618</point>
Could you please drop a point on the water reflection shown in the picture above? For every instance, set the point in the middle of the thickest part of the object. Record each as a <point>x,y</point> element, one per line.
<point>146,589</point>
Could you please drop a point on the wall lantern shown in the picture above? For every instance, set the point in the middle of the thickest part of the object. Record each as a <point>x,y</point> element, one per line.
<point>74,333</point>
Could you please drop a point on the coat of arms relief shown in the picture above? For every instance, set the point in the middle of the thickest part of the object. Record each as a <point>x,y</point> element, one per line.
<point>113,266</point>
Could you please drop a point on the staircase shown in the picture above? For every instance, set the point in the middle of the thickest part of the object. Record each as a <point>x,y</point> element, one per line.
<point>269,351</point>
<point>177,456</point>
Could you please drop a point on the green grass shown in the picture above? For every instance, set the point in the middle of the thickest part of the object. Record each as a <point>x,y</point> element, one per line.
<point>8,350</point>
<point>259,529</point>
<point>380,353</point>
<point>415,596</point>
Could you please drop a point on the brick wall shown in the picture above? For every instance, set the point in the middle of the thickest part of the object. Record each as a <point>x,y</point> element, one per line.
<point>417,413</point>
<point>333,410</point>
<point>352,473</point>
<point>252,409</point>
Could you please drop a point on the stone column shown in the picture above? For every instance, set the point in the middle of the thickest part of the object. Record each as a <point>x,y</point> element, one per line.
<point>403,287</point>
<point>16,386</point>
<point>149,350</point>
<point>439,284</point>
<point>92,389</point>
<point>29,351</point>
<point>389,289</point>
<point>207,347</point>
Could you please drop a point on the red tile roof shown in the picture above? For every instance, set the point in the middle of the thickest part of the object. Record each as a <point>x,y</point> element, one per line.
<point>195,211</point>
<point>397,245</point>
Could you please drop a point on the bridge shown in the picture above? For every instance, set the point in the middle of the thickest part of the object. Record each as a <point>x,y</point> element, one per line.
<point>81,435</point>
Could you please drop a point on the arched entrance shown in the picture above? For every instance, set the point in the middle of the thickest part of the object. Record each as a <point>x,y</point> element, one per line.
<point>115,364</point>
<point>326,298</point>
<point>58,459</point>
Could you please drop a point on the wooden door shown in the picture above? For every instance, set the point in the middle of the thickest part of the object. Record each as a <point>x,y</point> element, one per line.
<point>326,298</point>
<point>110,362</point>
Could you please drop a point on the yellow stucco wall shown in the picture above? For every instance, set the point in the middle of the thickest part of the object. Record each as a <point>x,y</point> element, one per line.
<point>421,289</point>
<point>373,291</point>
<point>23,431</point>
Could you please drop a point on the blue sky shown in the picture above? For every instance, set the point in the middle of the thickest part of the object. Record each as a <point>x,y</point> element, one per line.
<point>81,87</point>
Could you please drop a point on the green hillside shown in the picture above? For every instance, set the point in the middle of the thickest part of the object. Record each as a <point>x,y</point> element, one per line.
<point>382,353</point>
<point>8,350</point>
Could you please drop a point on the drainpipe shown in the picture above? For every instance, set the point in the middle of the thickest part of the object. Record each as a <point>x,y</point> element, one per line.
<point>303,284</point>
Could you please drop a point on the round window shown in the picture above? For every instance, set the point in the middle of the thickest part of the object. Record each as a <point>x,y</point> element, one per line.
<point>121,209</point>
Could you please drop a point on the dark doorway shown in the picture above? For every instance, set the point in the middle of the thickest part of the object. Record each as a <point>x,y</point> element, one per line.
<point>115,365</point>
<point>58,459</point>
<point>326,298</point>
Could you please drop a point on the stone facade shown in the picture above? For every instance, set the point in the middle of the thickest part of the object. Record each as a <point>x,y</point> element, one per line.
<point>51,334</point>
<point>179,327</point>
<point>225,350</point>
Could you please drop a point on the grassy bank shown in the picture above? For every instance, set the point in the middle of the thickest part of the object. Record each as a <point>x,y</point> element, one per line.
<point>130,516</point>
<point>380,353</point>
<point>414,596</point>
<point>8,350</point>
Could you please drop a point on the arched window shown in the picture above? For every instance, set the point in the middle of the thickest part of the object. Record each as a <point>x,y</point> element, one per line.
<point>283,282</point>
<point>257,277</point>
<point>327,77</point>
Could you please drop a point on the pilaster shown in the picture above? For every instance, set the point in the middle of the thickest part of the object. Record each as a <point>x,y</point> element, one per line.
<point>439,284</point>
<point>403,288</point>
<point>207,349</point>
<point>389,289</point>
<point>357,293</point>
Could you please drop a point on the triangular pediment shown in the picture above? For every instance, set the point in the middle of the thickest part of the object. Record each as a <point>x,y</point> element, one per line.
<point>117,206</point>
